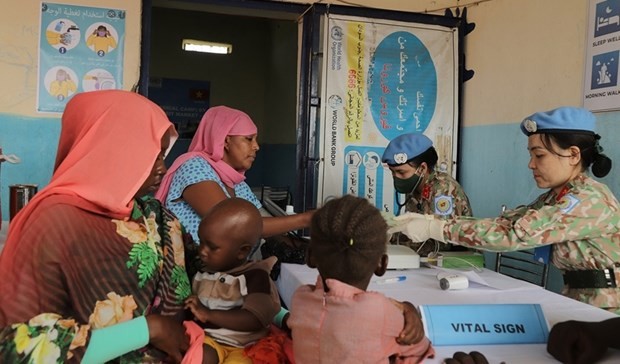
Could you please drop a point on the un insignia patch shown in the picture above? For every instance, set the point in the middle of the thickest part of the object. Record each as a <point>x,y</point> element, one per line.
<point>567,203</point>
<point>443,205</point>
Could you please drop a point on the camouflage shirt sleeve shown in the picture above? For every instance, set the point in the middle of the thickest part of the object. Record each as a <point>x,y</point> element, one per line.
<point>583,213</point>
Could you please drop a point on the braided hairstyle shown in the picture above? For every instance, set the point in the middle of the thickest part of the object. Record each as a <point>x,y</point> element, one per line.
<point>348,239</point>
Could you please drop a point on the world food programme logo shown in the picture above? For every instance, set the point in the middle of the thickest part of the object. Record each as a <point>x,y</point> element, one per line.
<point>336,33</point>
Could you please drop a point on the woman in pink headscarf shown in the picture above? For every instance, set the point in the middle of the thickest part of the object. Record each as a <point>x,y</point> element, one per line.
<point>223,148</point>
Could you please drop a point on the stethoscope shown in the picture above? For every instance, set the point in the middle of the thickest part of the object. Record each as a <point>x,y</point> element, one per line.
<point>400,206</point>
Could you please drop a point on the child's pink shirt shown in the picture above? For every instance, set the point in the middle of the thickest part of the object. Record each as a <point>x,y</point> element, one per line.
<point>348,325</point>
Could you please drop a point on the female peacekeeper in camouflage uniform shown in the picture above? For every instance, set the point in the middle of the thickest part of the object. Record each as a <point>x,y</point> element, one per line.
<point>578,217</point>
<point>412,160</point>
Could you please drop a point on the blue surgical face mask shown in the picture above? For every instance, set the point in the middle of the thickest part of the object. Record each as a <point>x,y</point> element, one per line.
<point>408,185</point>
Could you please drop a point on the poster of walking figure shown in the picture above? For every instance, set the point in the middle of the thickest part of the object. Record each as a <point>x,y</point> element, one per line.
<point>81,49</point>
<point>601,91</point>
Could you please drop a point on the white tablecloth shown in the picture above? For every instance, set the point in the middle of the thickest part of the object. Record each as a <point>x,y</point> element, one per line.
<point>422,287</point>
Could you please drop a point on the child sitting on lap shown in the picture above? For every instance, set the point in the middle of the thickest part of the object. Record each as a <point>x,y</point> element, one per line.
<point>337,320</point>
<point>235,299</point>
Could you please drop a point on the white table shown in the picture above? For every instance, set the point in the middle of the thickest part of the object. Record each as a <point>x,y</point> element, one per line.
<point>422,287</point>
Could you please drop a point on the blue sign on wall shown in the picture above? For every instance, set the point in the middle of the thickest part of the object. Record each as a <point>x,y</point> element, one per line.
<point>605,70</point>
<point>607,18</point>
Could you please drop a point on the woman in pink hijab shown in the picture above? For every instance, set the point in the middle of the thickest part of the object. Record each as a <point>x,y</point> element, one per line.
<point>223,148</point>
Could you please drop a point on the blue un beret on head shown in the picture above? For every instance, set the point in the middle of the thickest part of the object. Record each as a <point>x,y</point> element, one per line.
<point>405,147</point>
<point>560,120</point>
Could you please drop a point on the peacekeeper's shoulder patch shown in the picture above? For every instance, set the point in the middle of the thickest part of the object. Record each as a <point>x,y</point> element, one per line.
<point>568,203</point>
<point>443,205</point>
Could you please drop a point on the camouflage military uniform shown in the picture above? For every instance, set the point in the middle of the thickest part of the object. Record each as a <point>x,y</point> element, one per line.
<point>583,226</point>
<point>441,196</point>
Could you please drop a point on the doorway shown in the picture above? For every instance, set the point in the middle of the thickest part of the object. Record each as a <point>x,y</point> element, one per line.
<point>258,77</point>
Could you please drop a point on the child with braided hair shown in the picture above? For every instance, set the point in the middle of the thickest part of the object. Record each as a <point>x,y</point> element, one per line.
<point>337,320</point>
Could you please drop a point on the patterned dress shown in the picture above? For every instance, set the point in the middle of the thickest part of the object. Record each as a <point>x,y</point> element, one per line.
<point>193,171</point>
<point>82,271</point>
<point>582,225</point>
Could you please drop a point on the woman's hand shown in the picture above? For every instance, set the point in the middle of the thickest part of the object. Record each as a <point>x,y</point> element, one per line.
<point>413,332</point>
<point>307,217</point>
<point>168,335</point>
<point>473,357</point>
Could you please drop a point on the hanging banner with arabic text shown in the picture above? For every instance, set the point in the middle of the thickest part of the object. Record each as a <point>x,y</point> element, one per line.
<point>382,79</point>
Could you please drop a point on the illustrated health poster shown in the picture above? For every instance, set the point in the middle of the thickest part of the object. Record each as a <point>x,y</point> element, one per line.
<point>601,91</point>
<point>383,79</point>
<point>80,49</point>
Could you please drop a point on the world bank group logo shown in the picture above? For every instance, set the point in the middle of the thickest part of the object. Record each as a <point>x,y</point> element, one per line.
<point>604,70</point>
<point>607,17</point>
<point>336,33</point>
<point>334,101</point>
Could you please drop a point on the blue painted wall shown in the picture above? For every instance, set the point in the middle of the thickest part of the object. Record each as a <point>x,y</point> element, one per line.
<point>493,170</point>
<point>493,160</point>
<point>493,164</point>
<point>34,140</point>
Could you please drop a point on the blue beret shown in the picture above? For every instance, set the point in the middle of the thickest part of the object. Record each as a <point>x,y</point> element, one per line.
<point>563,119</point>
<point>405,147</point>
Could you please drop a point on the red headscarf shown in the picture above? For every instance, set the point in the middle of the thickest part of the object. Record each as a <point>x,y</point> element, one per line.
<point>108,144</point>
<point>208,143</point>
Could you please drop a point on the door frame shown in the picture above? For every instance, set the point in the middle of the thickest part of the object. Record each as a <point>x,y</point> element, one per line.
<point>309,97</point>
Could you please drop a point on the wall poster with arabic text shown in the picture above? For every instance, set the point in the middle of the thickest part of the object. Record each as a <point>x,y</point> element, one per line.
<point>80,49</point>
<point>381,79</point>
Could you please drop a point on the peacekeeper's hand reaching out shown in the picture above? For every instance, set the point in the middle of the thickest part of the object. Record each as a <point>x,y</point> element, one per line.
<point>418,227</point>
